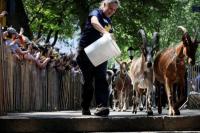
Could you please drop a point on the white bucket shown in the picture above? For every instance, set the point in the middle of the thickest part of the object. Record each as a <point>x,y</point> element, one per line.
<point>102,50</point>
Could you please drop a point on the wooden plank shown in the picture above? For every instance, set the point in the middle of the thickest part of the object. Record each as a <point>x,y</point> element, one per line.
<point>24,87</point>
<point>53,89</point>
<point>1,82</point>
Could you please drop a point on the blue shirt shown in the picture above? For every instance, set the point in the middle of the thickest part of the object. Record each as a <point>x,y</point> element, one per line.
<point>90,34</point>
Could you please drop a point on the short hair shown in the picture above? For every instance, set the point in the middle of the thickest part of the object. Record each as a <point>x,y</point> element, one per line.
<point>109,2</point>
<point>11,30</point>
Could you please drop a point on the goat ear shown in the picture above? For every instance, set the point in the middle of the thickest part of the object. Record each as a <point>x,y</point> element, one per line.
<point>186,39</point>
<point>144,51</point>
<point>129,63</point>
<point>118,61</point>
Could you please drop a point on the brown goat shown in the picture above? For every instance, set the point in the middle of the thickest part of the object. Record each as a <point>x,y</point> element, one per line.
<point>122,86</point>
<point>169,68</point>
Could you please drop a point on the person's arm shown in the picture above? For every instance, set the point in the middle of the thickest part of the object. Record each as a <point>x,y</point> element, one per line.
<point>18,50</point>
<point>21,31</point>
<point>3,13</point>
<point>95,23</point>
<point>5,34</point>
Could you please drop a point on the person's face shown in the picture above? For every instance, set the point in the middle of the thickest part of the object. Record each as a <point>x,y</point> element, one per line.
<point>110,9</point>
<point>14,35</point>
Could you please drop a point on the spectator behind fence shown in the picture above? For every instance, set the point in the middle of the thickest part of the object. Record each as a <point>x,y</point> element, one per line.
<point>41,62</point>
<point>17,42</point>
<point>10,36</point>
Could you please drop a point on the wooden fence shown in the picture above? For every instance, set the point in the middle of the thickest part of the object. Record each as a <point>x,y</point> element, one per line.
<point>24,87</point>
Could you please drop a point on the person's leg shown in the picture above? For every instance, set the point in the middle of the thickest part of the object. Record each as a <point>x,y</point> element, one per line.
<point>101,90</point>
<point>87,70</point>
<point>101,85</point>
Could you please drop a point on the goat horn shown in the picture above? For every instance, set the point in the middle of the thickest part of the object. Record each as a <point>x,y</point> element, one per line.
<point>110,72</point>
<point>144,40</point>
<point>118,62</point>
<point>155,38</point>
<point>182,29</point>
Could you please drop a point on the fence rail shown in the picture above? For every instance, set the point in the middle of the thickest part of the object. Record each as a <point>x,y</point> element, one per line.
<point>193,78</point>
<point>24,87</point>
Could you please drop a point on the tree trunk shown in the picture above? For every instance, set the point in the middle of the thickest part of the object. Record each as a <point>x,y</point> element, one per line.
<point>39,31</point>
<point>49,36</point>
<point>82,8</point>
<point>55,38</point>
<point>17,17</point>
<point>60,20</point>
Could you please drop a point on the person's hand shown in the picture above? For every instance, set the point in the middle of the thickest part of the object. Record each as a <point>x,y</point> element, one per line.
<point>21,31</point>
<point>104,33</point>
<point>15,41</point>
<point>3,13</point>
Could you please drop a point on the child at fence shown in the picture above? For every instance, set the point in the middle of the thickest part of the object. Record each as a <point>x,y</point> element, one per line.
<point>35,52</point>
<point>10,37</point>
<point>17,41</point>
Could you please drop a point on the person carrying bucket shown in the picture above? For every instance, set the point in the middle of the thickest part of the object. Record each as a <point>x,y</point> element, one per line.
<point>98,24</point>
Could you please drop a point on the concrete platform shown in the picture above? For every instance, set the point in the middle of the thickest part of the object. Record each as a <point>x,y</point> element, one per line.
<point>73,121</point>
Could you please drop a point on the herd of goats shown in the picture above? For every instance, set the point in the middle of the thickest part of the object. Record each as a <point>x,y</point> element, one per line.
<point>143,75</point>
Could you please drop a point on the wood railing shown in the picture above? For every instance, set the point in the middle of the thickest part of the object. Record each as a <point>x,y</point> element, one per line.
<point>24,87</point>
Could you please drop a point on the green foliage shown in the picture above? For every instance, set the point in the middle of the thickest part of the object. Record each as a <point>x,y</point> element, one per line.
<point>55,15</point>
<point>162,16</point>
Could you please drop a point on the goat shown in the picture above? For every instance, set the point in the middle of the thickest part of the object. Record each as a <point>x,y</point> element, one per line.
<point>122,86</point>
<point>169,68</point>
<point>141,72</point>
<point>109,78</point>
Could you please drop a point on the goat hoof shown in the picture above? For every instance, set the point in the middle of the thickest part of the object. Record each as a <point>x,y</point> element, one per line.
<point>141,108</point>
<point>134,112</point>
<point>177,112</point>
<point>159,111</point>
<point>171,114</point>
<point>150,112</point>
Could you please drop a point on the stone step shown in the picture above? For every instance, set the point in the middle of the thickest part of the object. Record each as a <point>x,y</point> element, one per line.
<point>73,121</point>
